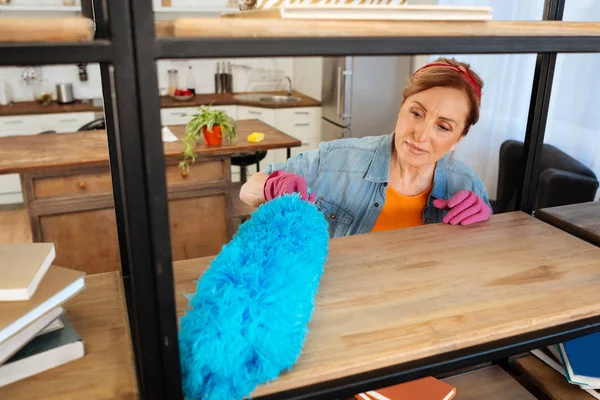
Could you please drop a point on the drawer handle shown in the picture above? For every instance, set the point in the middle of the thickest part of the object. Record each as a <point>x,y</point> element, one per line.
<point>82,185</point>
<point>302,124</point>
<point>69,120</point>
<point>184,174</point>
<point>14,122</point>
<point>255,112</point>
<point>301,112</point>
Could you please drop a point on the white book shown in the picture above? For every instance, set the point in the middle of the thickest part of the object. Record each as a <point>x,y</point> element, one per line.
<point>36,328</point>
<point>22,267</point>
<point>58,286</point>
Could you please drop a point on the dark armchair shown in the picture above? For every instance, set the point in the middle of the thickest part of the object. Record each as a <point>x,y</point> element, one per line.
<point>562,179</point>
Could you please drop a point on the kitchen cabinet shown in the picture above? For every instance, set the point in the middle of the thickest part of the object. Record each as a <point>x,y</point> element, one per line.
<point>302,123</point>
<point>10,185</point>
<point>65,123</point>
<point>182,115</point>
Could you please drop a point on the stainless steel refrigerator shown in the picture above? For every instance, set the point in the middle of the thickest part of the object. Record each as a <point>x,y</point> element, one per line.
<point>361,96</point>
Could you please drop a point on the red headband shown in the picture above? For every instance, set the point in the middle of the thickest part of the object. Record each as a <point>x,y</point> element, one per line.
<point>461,70</point>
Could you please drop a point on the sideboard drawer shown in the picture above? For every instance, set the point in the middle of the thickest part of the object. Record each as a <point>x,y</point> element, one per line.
<point>200,171</point>
<point>80,184</point>
<point>95,182</point>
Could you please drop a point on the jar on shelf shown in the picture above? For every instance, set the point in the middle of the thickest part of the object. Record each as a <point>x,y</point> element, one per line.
<point>173,81</point>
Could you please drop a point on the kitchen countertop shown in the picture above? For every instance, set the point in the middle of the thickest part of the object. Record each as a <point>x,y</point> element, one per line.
<point>227,99</point>
<point>217,99</point>
<point>33,107</point>
<point>90,148</point>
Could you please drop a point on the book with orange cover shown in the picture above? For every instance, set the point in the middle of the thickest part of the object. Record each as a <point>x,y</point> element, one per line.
<point>427,388</point>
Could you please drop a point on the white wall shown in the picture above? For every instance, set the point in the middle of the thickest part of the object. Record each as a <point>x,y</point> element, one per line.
<point>262,74</point>
<point>49,77</point>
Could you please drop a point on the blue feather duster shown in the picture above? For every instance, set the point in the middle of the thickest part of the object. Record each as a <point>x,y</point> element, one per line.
<point>248,319</point>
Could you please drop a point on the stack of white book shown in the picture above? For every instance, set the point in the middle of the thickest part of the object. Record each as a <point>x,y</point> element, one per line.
<point>35,335</point>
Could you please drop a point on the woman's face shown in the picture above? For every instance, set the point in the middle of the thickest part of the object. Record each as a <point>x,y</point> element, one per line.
<point>430,124</point>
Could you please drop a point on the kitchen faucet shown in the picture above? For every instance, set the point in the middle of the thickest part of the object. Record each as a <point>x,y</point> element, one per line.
<point>289,91</point>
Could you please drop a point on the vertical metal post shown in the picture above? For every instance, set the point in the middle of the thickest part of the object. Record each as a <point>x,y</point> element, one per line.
<point>137,167</point>
<point>538,114</point>
<point>155,213</point>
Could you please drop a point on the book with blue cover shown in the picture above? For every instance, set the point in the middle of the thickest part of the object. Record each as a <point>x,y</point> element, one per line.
<point>581,359</point>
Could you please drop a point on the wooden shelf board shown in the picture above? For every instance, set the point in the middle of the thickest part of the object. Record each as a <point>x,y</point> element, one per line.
<point>194,10</point>
<point>268,28</point>
<point>582,220</point>
<point>491,383</point>
<point>106,371</point>
<point>40,8</point>
<point>46,30</point>
<point>393,297</point>
<point>550,382</point>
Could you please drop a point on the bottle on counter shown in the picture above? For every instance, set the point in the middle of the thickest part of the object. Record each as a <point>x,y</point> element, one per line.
<point>191,82</point>
<point>223,78</point>
<point>229,78</point>
<point>218,79</point>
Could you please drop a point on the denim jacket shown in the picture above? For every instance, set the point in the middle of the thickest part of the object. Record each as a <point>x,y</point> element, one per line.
<point>349,178</point>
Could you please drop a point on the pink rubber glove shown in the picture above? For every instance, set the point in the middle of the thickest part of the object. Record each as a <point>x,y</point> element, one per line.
<point>465,207</point>
<point>281,182</point>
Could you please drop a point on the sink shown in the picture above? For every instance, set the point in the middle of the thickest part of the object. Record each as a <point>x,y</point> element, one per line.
<point>267,98</point>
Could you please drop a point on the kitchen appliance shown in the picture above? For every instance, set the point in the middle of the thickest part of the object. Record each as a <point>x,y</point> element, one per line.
<point>361,96</point>
<point>64,93</point>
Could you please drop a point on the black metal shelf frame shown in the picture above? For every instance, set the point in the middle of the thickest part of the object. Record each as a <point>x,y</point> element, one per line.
<point>127,50</point>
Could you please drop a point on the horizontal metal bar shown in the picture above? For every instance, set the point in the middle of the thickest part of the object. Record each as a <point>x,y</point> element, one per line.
<point>337,46</point>
<point>55,53</point>
<point>345,387</point>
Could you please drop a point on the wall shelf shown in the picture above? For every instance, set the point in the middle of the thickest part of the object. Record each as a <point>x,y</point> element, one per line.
<point>40,9</point>
<point>194,10</point>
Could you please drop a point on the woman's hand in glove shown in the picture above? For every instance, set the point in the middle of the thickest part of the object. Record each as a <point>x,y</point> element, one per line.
<point>465,207</point>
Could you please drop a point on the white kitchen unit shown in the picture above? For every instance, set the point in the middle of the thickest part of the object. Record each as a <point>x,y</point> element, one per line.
<point>66,122</point>
<point>10,184</point>
<point>182,115</point>
<point>302,123</point>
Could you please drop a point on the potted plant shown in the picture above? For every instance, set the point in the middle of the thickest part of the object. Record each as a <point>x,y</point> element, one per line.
<point>212,126</point>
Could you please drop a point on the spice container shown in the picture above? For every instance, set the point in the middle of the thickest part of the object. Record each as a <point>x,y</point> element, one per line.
<point>173,81</point>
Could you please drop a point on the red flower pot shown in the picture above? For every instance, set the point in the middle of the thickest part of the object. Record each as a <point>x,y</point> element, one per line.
<point>214,137</point>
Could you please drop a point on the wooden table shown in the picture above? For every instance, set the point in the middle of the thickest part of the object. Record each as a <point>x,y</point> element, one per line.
<point>106,371</point>
<point>68,193</point>
<point>490,383</point>
<point>392,297</point>
<point>581,220</point>
<point>546,379</point>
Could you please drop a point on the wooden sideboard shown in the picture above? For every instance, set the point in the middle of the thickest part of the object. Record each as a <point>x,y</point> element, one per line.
<point>68,193</point>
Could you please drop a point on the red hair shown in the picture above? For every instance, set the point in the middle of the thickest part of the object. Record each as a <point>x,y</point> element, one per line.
<point>445,72</point>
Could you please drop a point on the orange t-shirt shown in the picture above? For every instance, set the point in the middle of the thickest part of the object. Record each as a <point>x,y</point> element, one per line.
<point>400,211</point>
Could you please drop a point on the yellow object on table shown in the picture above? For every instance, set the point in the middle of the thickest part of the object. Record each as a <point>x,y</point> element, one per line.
<point>256,137</point>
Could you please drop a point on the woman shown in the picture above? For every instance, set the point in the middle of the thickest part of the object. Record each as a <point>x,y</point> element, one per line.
<point>403,179</point>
